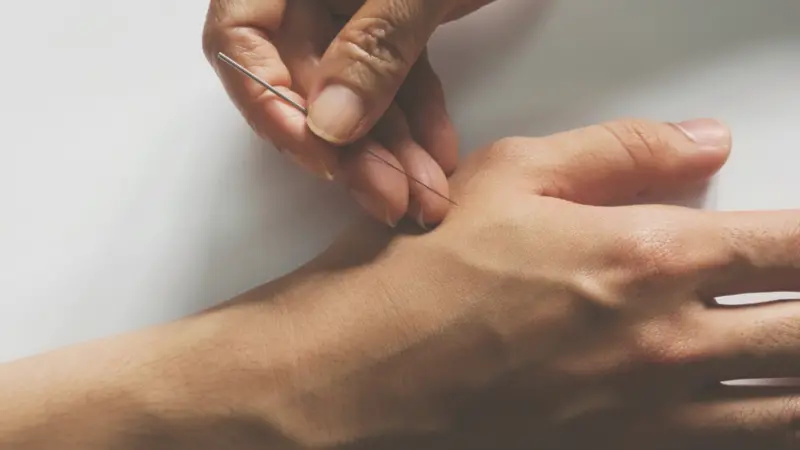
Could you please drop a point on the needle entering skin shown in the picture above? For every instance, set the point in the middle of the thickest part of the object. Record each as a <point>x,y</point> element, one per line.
<point>226,59</point>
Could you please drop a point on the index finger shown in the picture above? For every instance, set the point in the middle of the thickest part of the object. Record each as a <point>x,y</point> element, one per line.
<point>239,29</point>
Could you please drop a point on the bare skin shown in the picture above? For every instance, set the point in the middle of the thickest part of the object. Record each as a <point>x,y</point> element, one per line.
<point>360,67</point>
<point>536,316</point>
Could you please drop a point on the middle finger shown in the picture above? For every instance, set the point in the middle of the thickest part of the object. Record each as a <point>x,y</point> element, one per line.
<point>760,252</point>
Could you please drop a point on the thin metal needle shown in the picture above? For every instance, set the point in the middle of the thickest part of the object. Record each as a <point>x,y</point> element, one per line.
<point>263,83</point>
<point>301,108</point>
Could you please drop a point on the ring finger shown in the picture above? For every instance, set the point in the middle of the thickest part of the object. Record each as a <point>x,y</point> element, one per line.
<point>753,342</point>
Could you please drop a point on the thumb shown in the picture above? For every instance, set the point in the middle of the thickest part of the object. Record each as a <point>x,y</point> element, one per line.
<point>617,161</point>
<point>366,63</point>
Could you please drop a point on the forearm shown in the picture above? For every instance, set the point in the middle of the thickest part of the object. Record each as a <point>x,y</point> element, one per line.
<point>89,396</point>
<point>312,360</point>
<point>161,388</point>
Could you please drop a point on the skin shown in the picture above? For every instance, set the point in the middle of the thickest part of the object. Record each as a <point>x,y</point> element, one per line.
<point>536,316</point>
<point>375,48</point>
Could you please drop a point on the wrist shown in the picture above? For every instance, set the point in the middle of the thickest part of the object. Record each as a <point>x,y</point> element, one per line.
<point>327,370</point>
<point>334,353</point>
<point>279,367</point>
<point>337,351</point>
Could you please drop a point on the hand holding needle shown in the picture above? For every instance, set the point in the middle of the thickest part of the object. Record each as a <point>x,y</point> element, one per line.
<point>301,108</point>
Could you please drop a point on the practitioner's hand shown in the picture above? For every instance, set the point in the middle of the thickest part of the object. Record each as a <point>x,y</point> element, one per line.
<point>361,68</point>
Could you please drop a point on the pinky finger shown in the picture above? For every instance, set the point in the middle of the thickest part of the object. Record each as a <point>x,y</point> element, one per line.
<point>752,423</point>
<point>728,424</point>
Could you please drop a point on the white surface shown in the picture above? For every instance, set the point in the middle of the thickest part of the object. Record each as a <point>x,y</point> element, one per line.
<point>132,193</point>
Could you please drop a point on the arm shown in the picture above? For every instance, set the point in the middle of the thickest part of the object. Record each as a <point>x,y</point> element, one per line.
<point>533,316</point>
<point>151,389</point>
<point>89,396</point>
<point>268,370</point>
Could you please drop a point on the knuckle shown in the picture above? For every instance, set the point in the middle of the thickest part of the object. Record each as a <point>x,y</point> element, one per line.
<point>373,42</point>
<point>790,420</point>
<point>785,331</point>
<point>659,245</point>
<point>504,148</point>
<point>666,344</point>
<point>765,246</point>
<point>511,150</point>
<point>741,419</point>
<point>654,251</point>
<point>790,410</point>
<point>768,333</point>
<point>640,140</point>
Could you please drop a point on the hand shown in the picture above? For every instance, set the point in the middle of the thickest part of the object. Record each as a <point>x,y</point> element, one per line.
<point>536,316</point>
<point>361,65</point>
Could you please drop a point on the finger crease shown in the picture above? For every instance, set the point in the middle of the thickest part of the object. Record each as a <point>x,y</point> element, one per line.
<point>373,43</point>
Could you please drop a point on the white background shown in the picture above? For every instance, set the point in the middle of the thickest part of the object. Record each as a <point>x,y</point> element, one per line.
<point>132,193</point>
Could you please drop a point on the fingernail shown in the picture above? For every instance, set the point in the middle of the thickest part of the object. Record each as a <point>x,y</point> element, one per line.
<point>708,134</point>
<point>335,114</point>
<point>421,220</point>
<point>313,165</point>
<point>373,206</point>
<point>388,218</point>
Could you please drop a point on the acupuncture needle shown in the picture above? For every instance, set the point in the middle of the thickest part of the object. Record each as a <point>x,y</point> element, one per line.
<point>226,59</point>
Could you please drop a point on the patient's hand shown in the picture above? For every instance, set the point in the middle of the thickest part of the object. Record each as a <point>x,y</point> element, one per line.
<point>361,69</point>
<point>535,316</point>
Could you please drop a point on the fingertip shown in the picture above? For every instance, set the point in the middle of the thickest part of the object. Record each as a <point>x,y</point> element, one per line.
<point>284,125</point>
<point>375,206</point>
<point>710,143</point>
<point>709,135</point>
<point>428,213</point>
<point>317,163</point>
<point>427,181</point>
<point>429,189</point>
<point>381,191</point>
<point>712,139</point>
<point>420,218</point>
